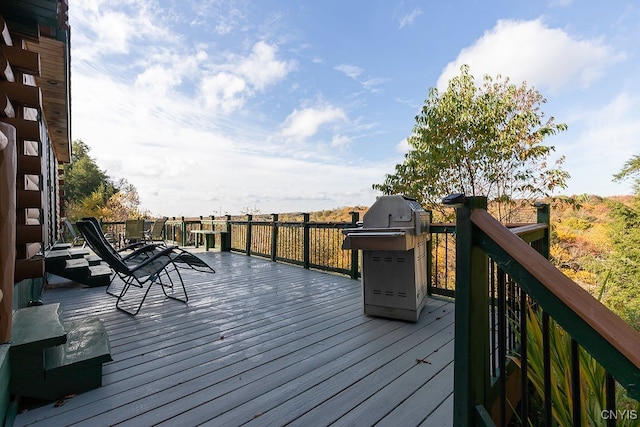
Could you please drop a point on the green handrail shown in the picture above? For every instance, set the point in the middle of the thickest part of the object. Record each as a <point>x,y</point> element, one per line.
<point>612,342</point>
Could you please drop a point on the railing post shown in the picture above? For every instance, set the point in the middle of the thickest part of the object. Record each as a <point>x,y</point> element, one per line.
<point>471,354</point>
<point>248,242</point>
<point>544,217</point>
<point>196,237</point>
<point>183,228</point>
<point>306,247</point>
<point>355,267</point>
<point>274,237</point>
<point>228,218</point>
<point>429,259</point>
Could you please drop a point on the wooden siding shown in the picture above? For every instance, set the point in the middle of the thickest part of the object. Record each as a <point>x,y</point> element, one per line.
<point>265,344</point>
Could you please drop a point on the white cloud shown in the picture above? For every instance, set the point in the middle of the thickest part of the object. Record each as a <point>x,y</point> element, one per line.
<point>102,27</point>
<point>355,72</point>
<point>407,19</point>
<point>165,70</point>
<point>243,76</point>
<point>611,133</point>
<point>370,84</point>
<point>403,146</point>
<point>340,141</point>
<point>223,92</point>
<point>180,158</point>
<point>302,124</point>
<point>349,70</point>
<point>547,58</point>
<point>560,3</point>
<point>261,68</point>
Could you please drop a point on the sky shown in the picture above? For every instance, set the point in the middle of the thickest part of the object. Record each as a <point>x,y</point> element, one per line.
<point>211,107</point>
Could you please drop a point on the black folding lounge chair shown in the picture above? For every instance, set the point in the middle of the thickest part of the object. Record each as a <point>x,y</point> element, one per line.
<point>129,251</point>
<point>157,268</point>
<point>141,251</point>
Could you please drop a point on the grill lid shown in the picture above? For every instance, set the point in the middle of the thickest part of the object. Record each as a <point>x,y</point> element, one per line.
<point>396,211</point>
<point>392,223</point>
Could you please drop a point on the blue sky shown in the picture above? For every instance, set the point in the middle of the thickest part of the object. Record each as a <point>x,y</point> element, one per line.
<point>212,107</point>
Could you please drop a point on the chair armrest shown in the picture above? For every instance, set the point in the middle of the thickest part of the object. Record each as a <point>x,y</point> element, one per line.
<point>132,246</point>
<point>149,247</point>
<point>162,253</point>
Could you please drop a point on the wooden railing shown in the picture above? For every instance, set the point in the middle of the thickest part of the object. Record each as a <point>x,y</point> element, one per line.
<point>498,275</point>
<point>502,276</point>
<point>306,243</point>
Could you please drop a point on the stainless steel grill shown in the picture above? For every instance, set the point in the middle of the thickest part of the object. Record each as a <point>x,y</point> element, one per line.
<point>393,239</point>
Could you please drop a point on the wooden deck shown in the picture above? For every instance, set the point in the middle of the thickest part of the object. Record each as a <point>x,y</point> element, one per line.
<point>265,344</point>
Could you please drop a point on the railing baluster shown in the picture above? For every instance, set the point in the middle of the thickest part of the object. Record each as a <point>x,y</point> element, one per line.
<point>446,263</point>
<point>524,361</point>
<point>305,240</point>
<point>183,230</point>
<point>437,246</point>
<point>575,383</point>
<point>610,399</point>
<point>546,360</point>
<point>493,316</point>
<point>502,343</point>
<point>274,237</point>
<point>355,268</point>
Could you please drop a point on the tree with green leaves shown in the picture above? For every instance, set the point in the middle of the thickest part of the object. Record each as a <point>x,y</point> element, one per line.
<point>631,170</point>
<point>82,176</point>
<point>624,260</point>
<point>480,140</point>
<point>90,191</point>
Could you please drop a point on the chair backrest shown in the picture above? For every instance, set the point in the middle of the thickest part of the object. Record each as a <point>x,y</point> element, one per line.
<point>95,240</point>
<point>134,229</point>
<point>157,229</point>
<point>70,228</point>
<point>110,238</point>
<point>98,226</point>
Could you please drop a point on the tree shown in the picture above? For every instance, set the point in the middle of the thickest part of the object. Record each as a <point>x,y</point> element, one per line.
<point>91,192</point>
<point>82,176</point>
<point>624,259</point>
<point>480,140</point>
<point>631,169</point>
<point>124,204</point>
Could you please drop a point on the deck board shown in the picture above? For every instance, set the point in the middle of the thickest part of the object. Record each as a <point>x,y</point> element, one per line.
<point>260,343</point>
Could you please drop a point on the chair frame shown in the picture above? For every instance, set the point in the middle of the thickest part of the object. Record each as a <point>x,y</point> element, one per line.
<point>142,249</point>
<point>149,271</point>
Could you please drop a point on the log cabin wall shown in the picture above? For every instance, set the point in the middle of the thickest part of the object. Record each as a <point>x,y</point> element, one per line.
<point>35,99</point>
<point>25,98</point>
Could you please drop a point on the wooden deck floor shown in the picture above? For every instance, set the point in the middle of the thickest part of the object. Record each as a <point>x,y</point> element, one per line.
<point>265,344</point>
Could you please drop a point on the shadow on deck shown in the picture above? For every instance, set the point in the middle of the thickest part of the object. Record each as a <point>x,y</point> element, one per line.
<point>261,343</point>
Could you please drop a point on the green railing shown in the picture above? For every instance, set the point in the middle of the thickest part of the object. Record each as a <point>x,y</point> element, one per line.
<point>441,266</point>
<point>316,245</point>
<point>306,243</point>
<point>502,276</point>
<point>311,244</point>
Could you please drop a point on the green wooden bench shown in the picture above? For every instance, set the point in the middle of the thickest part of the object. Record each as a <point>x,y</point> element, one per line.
<point>51,358</point>
<point>209,237</point>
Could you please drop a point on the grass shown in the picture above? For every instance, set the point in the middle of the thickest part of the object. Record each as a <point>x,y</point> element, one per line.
<point>592,379</point>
